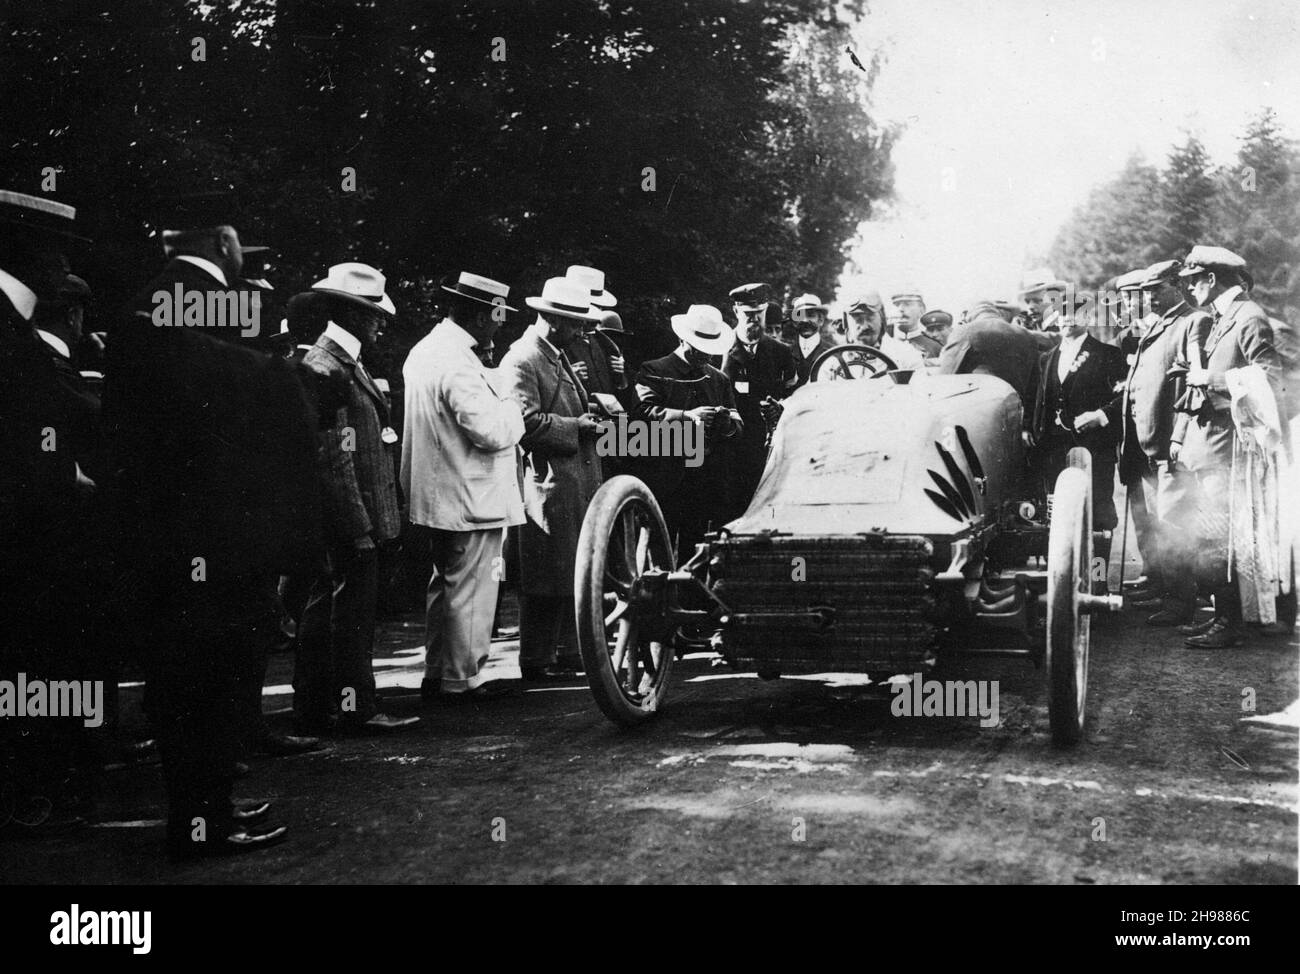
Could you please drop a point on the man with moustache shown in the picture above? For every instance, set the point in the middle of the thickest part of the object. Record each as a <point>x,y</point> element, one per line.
<point>909,306</point>
<point>809,318</point>
<point>762,373</point>
<point>1203,440</point>
<point>1160,496</point>
<point>684,388</point>
<point>561,474</point>
<point>1077,394</point>
<point>334,683</point>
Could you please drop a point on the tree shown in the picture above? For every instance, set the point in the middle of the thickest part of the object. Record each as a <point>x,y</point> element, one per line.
<point>1186,199</point>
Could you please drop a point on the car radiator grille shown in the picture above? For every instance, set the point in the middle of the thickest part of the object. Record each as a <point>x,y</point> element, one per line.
<point>877,588</point>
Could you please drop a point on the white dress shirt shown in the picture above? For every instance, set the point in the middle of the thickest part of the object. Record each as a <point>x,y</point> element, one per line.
<point>1069,349</point>
<point>345,340</point>
<point>806,345</point>
<point>204,264</point>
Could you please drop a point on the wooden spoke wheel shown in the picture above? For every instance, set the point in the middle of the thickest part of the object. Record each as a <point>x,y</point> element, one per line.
<point>850,362</point>
<point>1069,625</point>
<point>627,660</point>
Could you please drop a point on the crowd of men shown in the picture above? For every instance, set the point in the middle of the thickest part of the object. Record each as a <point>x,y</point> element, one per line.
<point>221,481</point>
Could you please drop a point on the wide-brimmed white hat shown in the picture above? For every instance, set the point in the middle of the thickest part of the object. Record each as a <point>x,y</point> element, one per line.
<point>481,289</point>
<point>358,283</point>
<point>566,297</point>
<point>594,281</point>
<point>702,327</point>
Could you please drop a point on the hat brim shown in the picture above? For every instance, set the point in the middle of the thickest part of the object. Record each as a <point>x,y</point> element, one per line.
<point>603,300</point>
<point>1193,270</point>
<point>709,346</point>
<point>1043,286</point>
<point>384,304</point>
<point>475,297</point>
<point>542,305</point>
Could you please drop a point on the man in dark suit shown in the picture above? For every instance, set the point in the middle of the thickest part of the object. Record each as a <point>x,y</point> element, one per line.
<point>1078,391</point>
<point>198,428</point>
<point>333,676</point>
<point>809,317</point>
<point>46,593</point>
<point>1160,496</point>
<point>684,388</point>
<point>1203,440</point>
<point>989,344</point>
<point>762,373</point>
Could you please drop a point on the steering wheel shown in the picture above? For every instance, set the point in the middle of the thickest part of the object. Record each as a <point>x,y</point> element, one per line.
<point>850,362</point>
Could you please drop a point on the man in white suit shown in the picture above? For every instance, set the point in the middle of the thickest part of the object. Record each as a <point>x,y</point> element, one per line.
<point>458,470</point>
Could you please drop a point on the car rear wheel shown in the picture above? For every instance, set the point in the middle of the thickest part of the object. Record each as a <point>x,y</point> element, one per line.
<point>1069,626</point>
<point>623,537</point>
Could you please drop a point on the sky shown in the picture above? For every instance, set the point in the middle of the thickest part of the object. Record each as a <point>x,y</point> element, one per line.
<point>1015,109</point>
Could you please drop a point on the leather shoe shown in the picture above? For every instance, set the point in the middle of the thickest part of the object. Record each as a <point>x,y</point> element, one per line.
<point>1221,635</point>
<point>282,745</point>
<point>1199,628</point>
<point>1144,601</point>
<point>1172,614</point>
<point>251,814</point>
<point>1138,594</point>
<point>234,844</point>
<point>552,673</point>
<point>489,690</point>
<point>430,687</point>
<point>378,724</point>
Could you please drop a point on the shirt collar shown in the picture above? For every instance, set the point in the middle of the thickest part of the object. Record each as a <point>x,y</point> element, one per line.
<point>344,339</point>
<point>542,334</point>
<point>20,295</point>
<point>1222,302</point>
<point>204,264</point>
<point>461,336</point>
<point>1073,343</point>
<point>806,345</point>
<point>55,342</point>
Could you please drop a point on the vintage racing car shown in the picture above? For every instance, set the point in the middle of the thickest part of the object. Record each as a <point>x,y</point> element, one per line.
<point>891,531</point>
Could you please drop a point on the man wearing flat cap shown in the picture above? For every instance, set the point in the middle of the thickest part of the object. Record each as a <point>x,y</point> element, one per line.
<point>937,326</point>
<point>458,474</point>
<point>762,373</point>
<point>334,683</point>
<point>1160,496</point>
<point>809,315</point>
<point>906,325</point>
<point>1240,336</point>
<point>683,387</point>
<point>561,473</point>
<point>1041,294</point>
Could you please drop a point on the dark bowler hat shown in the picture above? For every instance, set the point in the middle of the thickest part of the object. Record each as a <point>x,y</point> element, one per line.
<point>936,319</point>
<point>611,322</point>
<point>204,209</point>
<point>481,289</point>
<point>73,290</point>
<point>256,257</point>
<point>1162,272</point>
<point>38,215</point>
<point>751,297</point>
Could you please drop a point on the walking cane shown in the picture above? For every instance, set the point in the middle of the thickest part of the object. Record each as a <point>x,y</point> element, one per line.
<point>1123,549</point>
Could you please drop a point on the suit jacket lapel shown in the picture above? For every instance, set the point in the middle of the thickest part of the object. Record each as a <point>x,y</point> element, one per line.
<point>362,376</point>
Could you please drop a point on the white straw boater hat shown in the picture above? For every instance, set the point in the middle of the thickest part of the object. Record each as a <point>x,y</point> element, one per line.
<point>481,289</point>
<point>566,297</point>
<point>702,327</point>
<point>358,283</point>
<point>594,281</point>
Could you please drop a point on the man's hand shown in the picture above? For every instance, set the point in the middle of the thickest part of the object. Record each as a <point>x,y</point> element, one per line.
<point>1089,421</point>
<point>704,415</point>
<point>363,543</point>
<point>1174,449</point>
<point>771,410</point>
<point>588,425</point>
<point>580,370</point>
<point>617,365</point>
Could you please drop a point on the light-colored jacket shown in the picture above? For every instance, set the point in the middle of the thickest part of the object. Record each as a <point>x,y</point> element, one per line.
<point>564,463</point>
<point>461,428</point>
